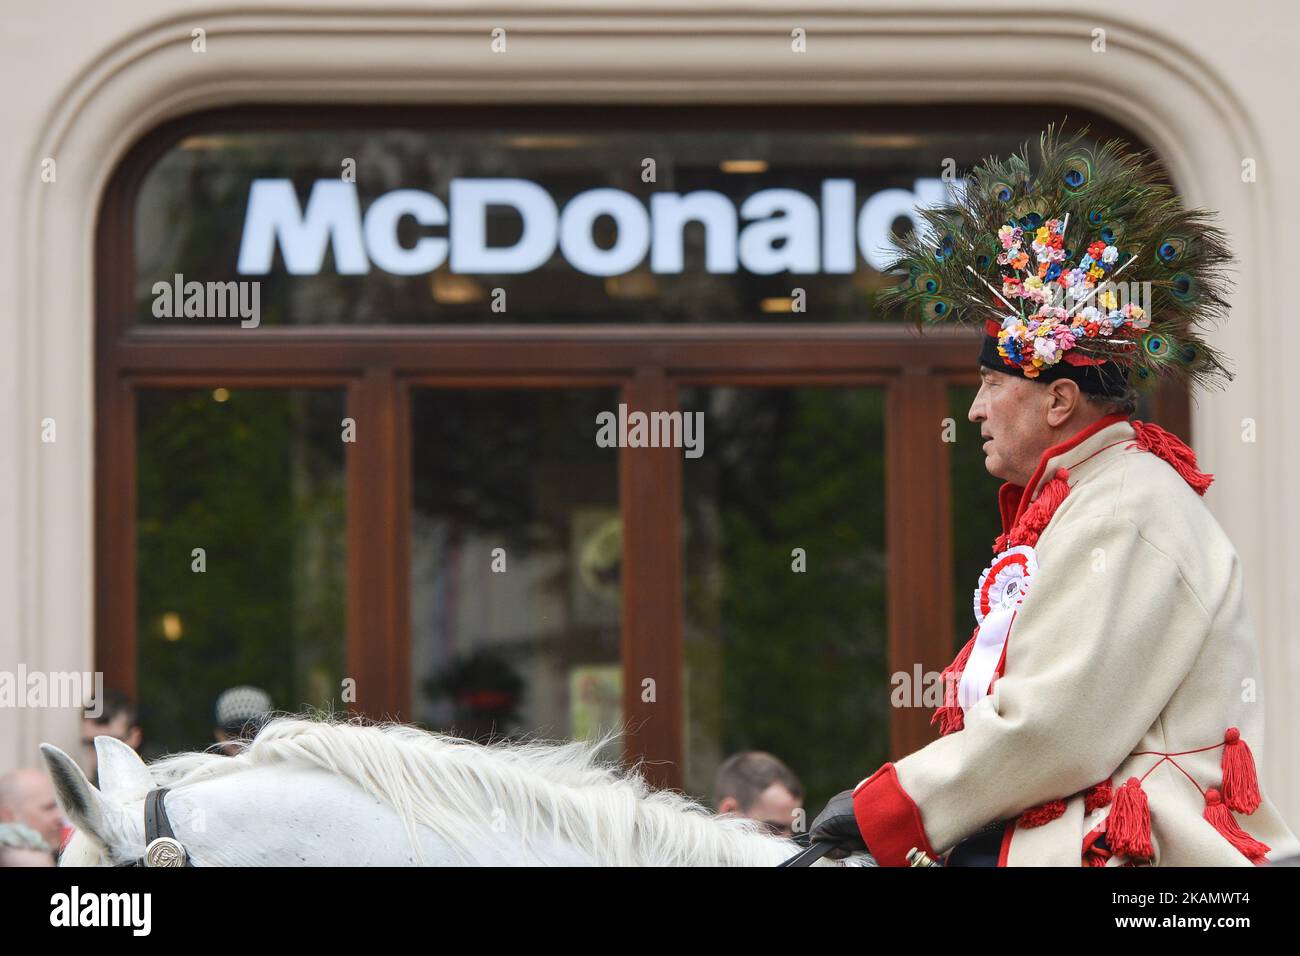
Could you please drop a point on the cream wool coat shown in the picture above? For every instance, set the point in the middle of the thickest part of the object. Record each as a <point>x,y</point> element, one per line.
<point>1132,636</point>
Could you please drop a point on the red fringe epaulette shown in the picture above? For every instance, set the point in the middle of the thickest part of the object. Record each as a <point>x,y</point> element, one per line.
<point>1170,448</point>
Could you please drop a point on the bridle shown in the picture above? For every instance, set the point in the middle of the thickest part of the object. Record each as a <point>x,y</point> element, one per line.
<point>162,849</point>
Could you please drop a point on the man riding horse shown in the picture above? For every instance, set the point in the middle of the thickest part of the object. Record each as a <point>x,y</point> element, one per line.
<point>1104,710</point>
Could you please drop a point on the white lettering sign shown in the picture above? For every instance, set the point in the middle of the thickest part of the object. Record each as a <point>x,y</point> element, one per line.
<point>784,230</point>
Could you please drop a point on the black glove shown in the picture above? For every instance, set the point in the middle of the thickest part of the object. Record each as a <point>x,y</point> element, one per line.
<point>837,824</point>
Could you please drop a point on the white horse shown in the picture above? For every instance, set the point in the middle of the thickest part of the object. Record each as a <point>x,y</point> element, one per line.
<point>315,793</point>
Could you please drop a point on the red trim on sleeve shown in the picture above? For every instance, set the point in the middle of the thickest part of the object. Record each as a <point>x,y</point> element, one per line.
<point>888,818</point>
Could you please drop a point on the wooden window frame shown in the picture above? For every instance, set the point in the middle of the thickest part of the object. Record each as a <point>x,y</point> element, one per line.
<point>379,365</point>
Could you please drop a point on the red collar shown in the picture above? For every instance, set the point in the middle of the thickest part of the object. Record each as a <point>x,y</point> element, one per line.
<point>1013,499</point>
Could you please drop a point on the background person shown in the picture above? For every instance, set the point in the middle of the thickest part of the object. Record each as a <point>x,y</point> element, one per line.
<point>1096,716</point>
<point>118,719</point>
<point>20,845</point>
<point>240,713</point>
<point>27,797</point>
<point>757,785</point>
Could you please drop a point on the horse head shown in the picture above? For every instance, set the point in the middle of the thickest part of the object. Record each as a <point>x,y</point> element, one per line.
<point>108,819</point>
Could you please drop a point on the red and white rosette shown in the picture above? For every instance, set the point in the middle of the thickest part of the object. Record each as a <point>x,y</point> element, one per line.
<point>1001,590</point>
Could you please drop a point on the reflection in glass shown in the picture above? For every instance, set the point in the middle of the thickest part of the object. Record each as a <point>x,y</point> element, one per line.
<point>255,479</point>
<point>516,548</point>
<point>792,662</point>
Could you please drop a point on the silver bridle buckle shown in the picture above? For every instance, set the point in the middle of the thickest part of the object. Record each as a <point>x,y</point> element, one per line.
<point>164,851</point>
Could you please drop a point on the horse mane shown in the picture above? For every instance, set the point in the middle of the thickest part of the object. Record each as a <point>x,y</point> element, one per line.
<point>469,793</point>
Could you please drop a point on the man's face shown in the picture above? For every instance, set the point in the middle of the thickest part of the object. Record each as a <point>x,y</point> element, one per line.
<point>775,808</point>
<point>1012,414</point>
<point>34,804</point>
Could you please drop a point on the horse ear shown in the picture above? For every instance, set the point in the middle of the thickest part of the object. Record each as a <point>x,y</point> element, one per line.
<point>85,806</point>
<point>121,771</point>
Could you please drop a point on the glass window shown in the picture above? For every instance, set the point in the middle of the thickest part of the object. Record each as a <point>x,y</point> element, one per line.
<point>571,225</point>
<point>516,549</point>
<point>786,642</point>
<point>241,553</point>
<point>507,219</point>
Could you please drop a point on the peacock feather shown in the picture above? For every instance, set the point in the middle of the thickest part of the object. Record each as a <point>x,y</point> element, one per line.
<point>1077,253</point>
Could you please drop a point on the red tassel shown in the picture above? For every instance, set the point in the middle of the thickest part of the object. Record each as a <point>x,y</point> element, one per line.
<point>1240,784</point>
<point>1043,813</point>
<point>950,716</point>
<point>1171,449</point>
<point>1097,796</point>
<point>1128,829</point>
<point>1220,817</point>
<point>1039,514</point>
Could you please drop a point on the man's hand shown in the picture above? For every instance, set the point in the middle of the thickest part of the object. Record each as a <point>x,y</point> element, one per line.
<point>837,824</point>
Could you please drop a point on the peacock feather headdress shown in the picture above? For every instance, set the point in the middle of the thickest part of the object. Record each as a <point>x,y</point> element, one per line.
<point>1080,260</point>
